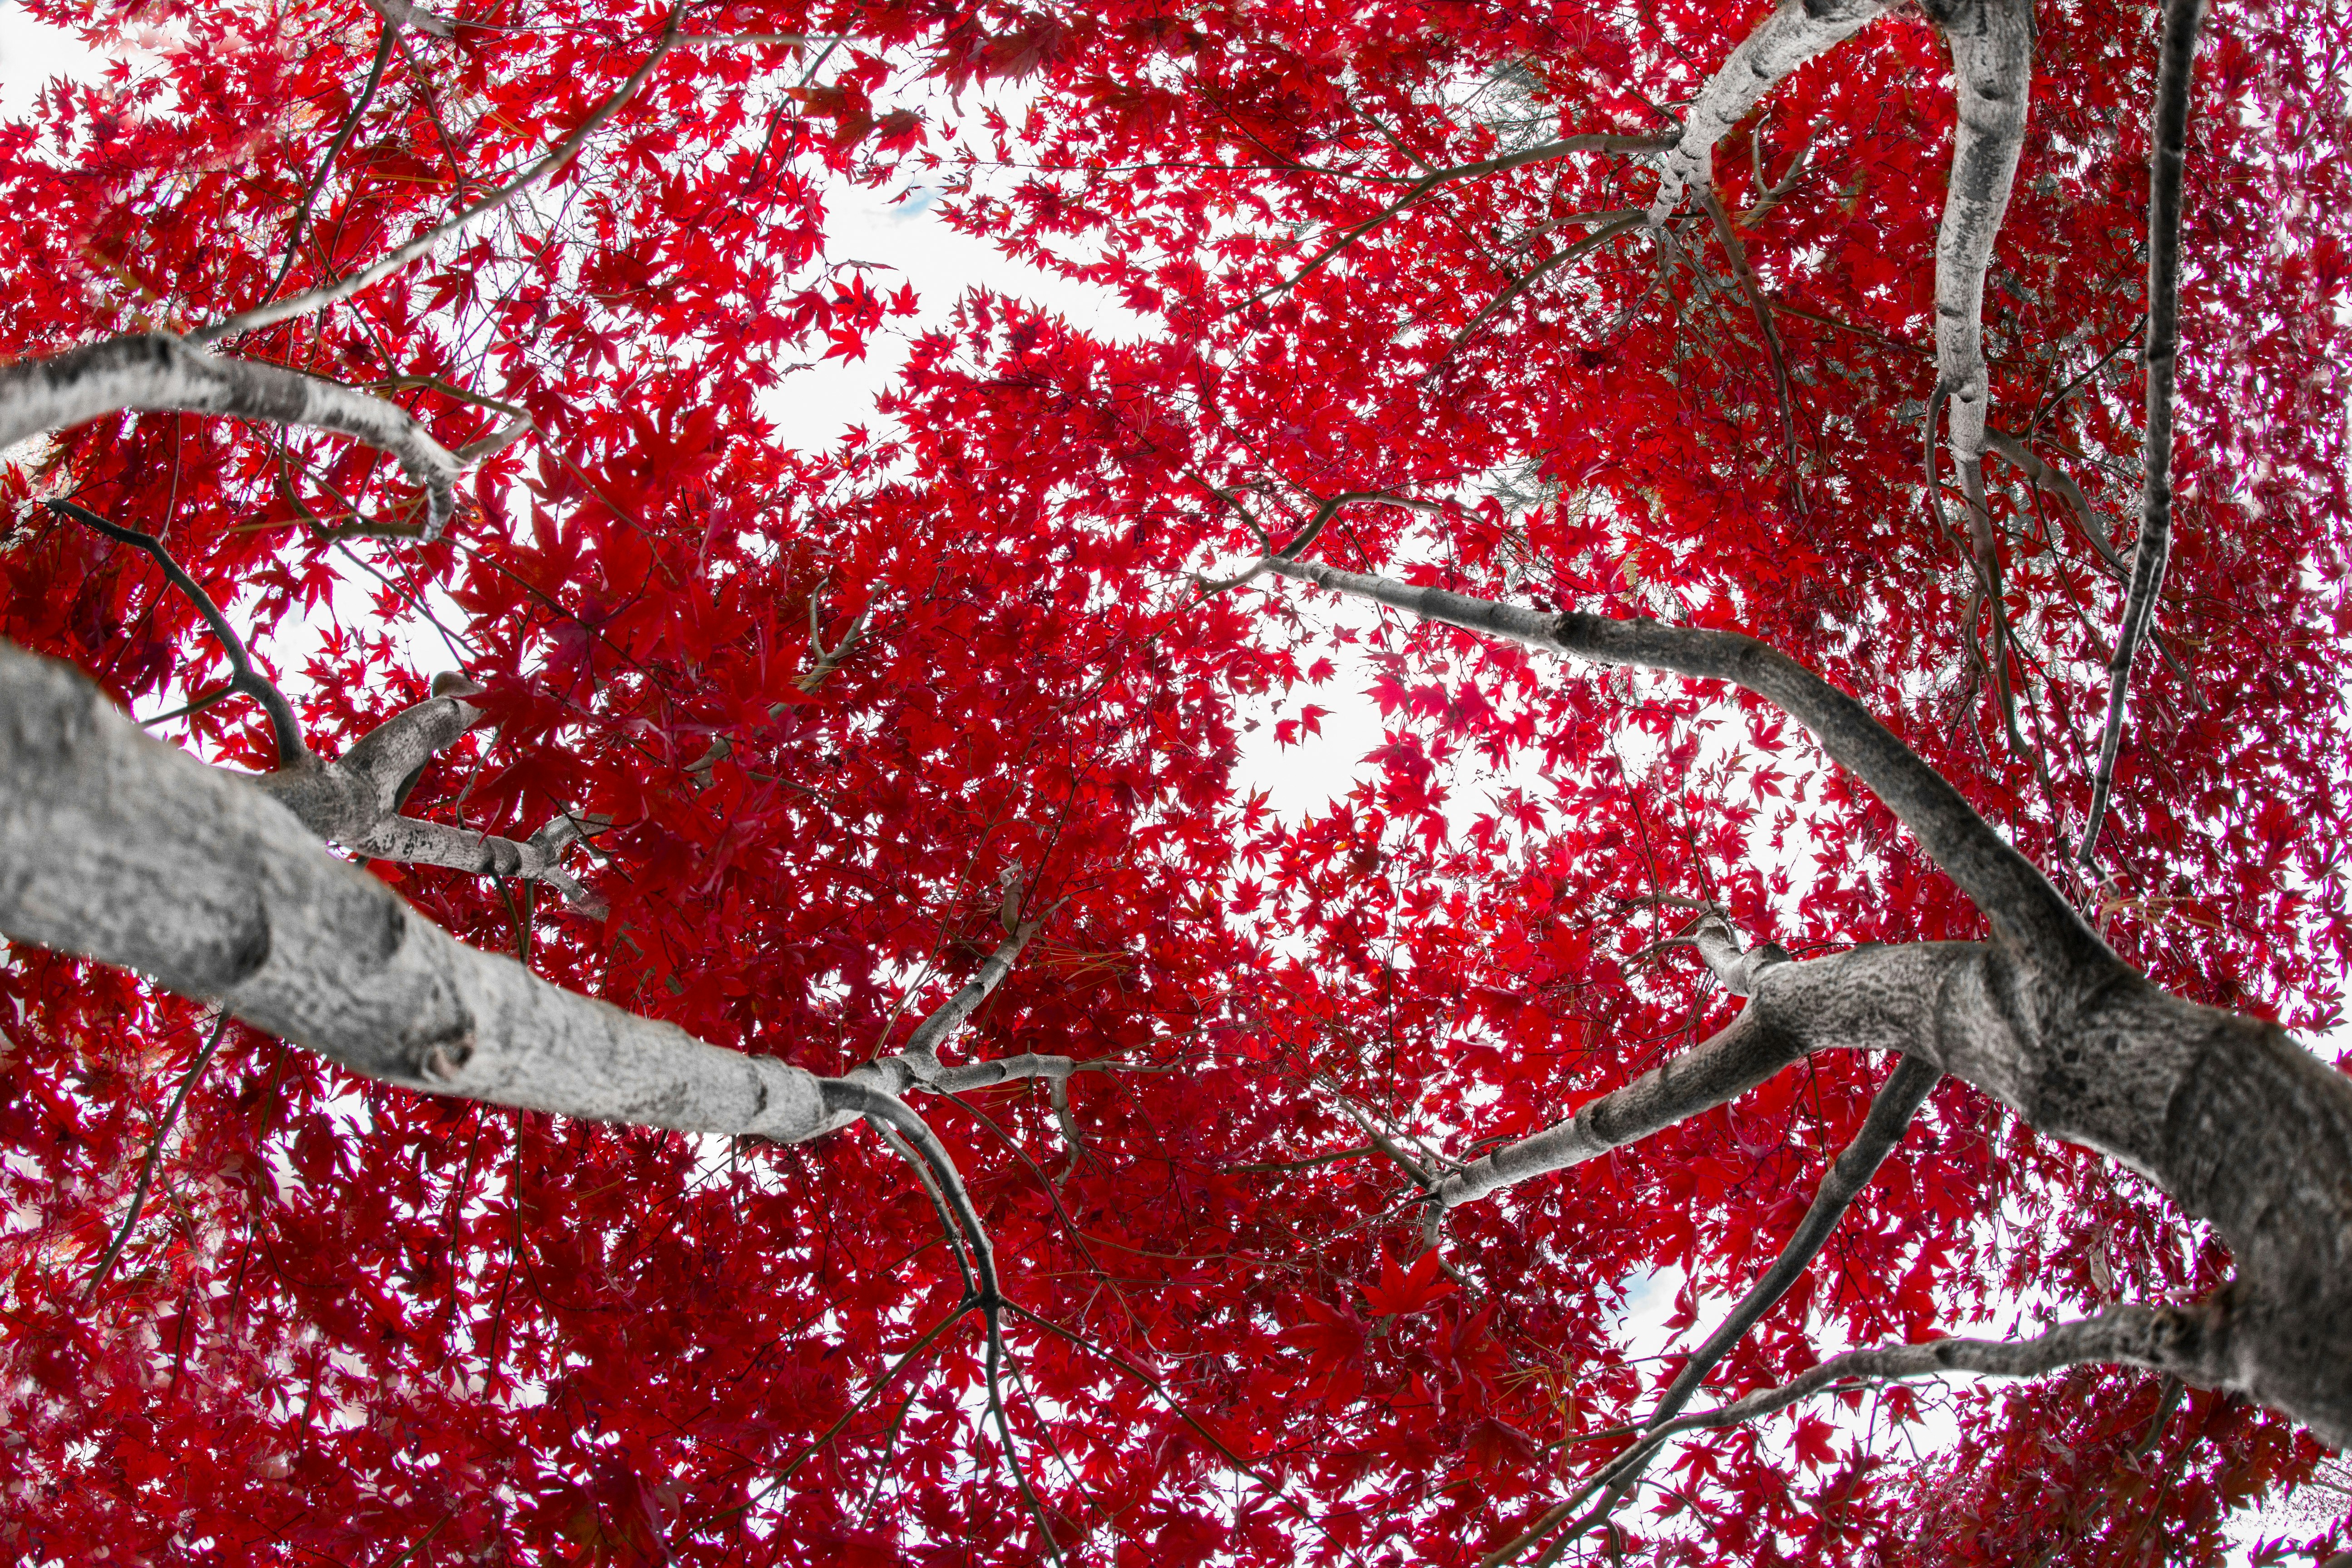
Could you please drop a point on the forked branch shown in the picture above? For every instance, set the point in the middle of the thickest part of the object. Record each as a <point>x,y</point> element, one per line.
<point>1891,1110</point>
<point>1794,33</point>
<point>243,676</point>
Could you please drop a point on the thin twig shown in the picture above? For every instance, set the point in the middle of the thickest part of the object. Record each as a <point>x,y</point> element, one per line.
<point>334,150</point>
<point>564,151</point>
<point>154,1155</point>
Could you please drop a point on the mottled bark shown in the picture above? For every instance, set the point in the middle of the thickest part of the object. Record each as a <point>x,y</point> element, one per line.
<point>120,847</point>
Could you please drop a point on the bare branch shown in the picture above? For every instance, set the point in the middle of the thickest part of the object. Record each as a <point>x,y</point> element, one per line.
<point>243,676</point>
<point>2176,69</point>
<point>1891,1110</point>
<point>1744,275</point>
<point>356,801</point>
<point>562,152</point>
<point>335,149</point>
<point>159,372</point>
<point>1437,179</point>
<point>1791,35</point>
<point>2058,483</point>
<point>1992,70</point>
<point>1612,225</point>
<point>2179,1341</point>
<point>2010,889</point>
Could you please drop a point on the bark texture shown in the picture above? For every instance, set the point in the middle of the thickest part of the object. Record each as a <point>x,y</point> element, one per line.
<point>2240,1124</point>
<point>120,847</point>
<point>157,372</point>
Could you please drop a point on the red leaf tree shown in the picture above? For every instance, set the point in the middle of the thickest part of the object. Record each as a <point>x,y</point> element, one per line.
<point>639,992</point>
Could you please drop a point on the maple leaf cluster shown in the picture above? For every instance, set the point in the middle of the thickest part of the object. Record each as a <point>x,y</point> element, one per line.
<point>854,713</point>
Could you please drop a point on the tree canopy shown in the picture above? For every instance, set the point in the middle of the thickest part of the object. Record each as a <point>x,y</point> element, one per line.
<point>1843,511</point>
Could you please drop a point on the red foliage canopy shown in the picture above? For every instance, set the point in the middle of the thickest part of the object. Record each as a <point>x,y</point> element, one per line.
<point>851,712</point>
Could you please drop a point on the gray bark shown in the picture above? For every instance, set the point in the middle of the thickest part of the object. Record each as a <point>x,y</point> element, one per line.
<point>1992,71</point>
<point>1791,35</point>
<point>156,371</point>
<point>122,848</point>
<point>354,800</point>
<point>2242,1125</point>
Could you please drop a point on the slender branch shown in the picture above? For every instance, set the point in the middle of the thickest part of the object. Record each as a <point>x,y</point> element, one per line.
<point>2180,1340</point>
<point>243,676</point>
<point>2010,889</point>
<point>156,371</point>
<point>2060,484</point>
<point>1616,223</point>
<point>335,149</point>
<point>1891,1110</point>
<point>562,152</point>
<point>2176,69</point>
<point>1438,178</point>
<point>154,1155</point>
<point>1744,275</point>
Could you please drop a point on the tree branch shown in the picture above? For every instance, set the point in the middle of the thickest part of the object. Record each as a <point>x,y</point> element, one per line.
<point>1891,1110</point>
<point>1438,178</point>
<point>562,152</point>
<point>335,149</point>
<point>2176,69</point>
<point>2006,886</point>
<point>2179,1341</point>
<point>154,1155</point>
<point>122,848</point>
<point>243,676</point>
<point>402,14</point>
<point>1993,69</point>
<point>1791,35</point>
<point>158,372</point>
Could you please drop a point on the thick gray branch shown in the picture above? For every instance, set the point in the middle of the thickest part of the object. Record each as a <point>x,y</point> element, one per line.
<point>122,848</point>
<point>158,372</point>
<point>1992,70</point>
<point>2240,1123</point>
<point>1790,36</point>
